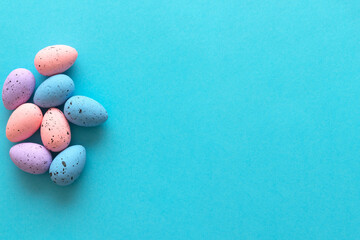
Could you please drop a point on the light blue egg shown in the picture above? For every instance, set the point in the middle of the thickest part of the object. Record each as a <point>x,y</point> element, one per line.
<point>84,111</point>
<point>54,91</point>
<point>68,165</point>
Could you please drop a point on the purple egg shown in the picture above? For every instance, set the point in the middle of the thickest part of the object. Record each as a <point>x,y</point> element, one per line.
<point>18,88</point>
<point>31,157</point>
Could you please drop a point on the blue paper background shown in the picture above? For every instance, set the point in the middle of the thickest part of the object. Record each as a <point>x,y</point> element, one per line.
<point>227,120</point>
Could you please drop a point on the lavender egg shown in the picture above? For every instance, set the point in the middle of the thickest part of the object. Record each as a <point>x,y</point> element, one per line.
<point>31,157</point>
<point>18,88</point>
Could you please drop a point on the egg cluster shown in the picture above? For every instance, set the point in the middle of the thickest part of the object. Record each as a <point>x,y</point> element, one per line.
<point>54,126</point>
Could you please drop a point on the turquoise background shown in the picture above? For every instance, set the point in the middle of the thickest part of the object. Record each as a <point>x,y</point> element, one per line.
<point>227,120</point>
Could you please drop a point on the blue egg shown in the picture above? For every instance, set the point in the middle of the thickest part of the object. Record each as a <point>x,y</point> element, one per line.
<point>68,165</point>
<point>54,91</point>
<point>84,111</point>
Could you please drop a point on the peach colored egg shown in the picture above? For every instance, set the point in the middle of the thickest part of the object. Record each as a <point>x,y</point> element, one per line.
<point>55,130</point>
<point>55,59</point>
<point>23,122</point>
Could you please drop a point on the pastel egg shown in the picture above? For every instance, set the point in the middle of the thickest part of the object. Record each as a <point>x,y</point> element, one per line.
<point>31,157</point>
<point>18,87</point>
<point>54,91</point>
<point>23,122</point>
<point>68,165</point>
<point>55,130</point>
<point>55,59</point>
<point>84,111</point>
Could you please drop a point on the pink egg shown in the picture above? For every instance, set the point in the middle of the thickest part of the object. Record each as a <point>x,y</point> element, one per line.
<point>55,59</point>
<point>55,130</point>
<point>23,122</point>
<point>31,157</point>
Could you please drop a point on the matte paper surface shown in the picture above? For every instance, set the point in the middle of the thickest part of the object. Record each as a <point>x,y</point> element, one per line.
<point>228,119</point>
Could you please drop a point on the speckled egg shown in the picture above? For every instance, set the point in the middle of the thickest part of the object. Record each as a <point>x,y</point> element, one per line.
<point>31,157</point>
<point>55,59</point>
<point>23,122</point>
<point>54,91</point>
<point>18,87</point>
<point>68,165</point>
<point>55,130</point>
<point>84,111</point>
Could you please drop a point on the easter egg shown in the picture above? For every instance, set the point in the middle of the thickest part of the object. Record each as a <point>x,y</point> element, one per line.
<point>55,59</point>
<point>54,91</point>
<point>84,111</point>
<point>18,87</point>
<point>68,165</point>
<point>23,122</point>
<point>31,157</point>
<point>55,130</point>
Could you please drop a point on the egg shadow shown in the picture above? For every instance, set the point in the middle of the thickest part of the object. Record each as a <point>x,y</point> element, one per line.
<point>41,186</point>
<point>87,136</point>
<point>73,72</point>
<point>35,138</point>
